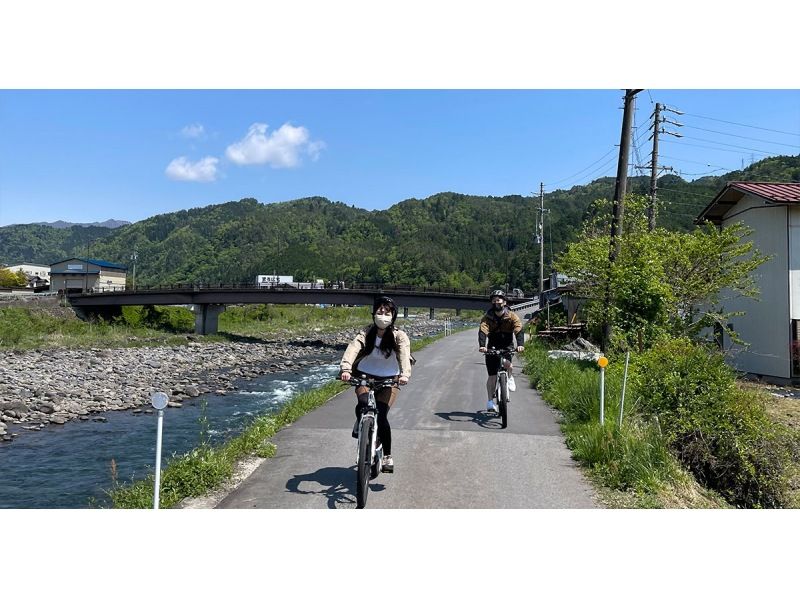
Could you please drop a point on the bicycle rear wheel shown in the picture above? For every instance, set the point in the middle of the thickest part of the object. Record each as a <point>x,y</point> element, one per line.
<point>502,400</point>
<point>362,480</point>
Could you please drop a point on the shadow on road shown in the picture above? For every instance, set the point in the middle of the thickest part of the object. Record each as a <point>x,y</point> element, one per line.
<point>482,418</point>
<point>337,484</point>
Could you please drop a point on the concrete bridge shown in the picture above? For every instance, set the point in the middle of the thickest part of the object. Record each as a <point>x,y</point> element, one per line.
<point>207,301</point>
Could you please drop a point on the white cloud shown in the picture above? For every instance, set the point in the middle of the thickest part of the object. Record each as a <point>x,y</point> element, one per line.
<point>279,149</point>
<point>202,171</point>
<point>193,131</point>
<point>314,148</point>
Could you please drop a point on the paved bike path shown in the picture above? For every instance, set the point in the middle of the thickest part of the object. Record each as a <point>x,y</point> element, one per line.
<point>448,452</point>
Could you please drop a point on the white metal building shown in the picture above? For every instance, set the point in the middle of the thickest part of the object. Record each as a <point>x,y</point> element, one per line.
<point>770,325</point>
<point>82,275</point>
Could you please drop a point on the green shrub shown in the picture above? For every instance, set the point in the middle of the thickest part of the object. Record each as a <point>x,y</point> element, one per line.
<point>167,318</point>
<point>720,433</point>
<point>634,456</point>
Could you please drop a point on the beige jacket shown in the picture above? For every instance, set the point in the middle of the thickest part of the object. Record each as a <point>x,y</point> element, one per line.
<point>355,352</point>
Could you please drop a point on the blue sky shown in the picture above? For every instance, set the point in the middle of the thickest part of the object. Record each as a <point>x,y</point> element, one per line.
<point>89,155</point>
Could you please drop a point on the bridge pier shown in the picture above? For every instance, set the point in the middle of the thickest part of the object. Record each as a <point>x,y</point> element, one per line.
<point>458,311</point>
<point>206,317</point>
<point>433,314</point>
<point>405,313</point>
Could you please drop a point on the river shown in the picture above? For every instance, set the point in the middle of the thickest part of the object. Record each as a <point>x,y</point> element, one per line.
<point>69,466</point>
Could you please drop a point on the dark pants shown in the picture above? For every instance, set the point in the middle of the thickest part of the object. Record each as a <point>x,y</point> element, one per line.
<point>493,363</point>
<point>384,429</point>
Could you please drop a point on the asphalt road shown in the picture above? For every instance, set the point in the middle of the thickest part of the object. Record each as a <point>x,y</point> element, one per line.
<point>448,452</point>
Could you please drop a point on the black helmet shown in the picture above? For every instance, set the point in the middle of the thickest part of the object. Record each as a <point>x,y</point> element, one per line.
<point>384,300</point>
<point>497,293</point>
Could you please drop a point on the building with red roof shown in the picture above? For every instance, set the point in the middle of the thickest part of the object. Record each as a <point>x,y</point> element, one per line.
<point>771,325</point>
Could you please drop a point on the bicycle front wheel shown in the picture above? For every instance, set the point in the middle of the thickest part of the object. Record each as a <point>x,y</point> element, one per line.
<point>502,400</point>
<point>364,458</point>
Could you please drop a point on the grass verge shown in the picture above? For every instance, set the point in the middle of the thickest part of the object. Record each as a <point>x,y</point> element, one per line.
<point>206,467</point>
<point>630,465</point>
<point>47,323</point>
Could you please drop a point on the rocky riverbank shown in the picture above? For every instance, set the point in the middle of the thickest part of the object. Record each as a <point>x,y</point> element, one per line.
<point>45,387</point>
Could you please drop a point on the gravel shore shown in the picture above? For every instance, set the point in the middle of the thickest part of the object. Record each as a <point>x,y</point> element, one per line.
<point>45,387</point>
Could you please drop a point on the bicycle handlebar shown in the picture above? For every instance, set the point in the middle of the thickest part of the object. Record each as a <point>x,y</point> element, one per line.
<point>494,351</point>
<point>372,383</point>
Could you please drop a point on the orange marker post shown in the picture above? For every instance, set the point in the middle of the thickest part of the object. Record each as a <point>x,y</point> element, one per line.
<point>602,362</point>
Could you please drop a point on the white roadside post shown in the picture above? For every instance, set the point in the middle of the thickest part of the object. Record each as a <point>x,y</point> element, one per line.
<point>159,401</point>
<point>624,383</point>
<point>602,362</point>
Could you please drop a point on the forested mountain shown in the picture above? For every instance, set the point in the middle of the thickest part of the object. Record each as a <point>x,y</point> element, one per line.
<point>42,244</point>
<point>110,223</point>
<point>447,239</point>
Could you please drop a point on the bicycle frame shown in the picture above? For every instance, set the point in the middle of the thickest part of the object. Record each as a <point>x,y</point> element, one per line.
<point>501,382</point>
<point>370,411</point>
<point>369,460</point>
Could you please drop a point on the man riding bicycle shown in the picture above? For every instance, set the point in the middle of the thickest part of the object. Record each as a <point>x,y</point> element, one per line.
<point>499,328</point>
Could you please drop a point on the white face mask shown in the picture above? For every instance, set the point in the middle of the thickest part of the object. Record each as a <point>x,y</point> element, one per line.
<point>382,321</point>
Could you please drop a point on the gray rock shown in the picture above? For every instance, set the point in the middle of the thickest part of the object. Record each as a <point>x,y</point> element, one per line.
<point>47,408</point>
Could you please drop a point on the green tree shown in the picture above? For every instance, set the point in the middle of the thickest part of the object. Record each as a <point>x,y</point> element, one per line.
<point>12,279</point>
<point>663,283</point>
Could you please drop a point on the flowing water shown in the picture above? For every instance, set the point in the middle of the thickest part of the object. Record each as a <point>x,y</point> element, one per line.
<point>69,466</point>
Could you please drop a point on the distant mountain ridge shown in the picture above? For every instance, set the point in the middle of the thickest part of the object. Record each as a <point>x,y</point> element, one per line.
<point>449,239</point>
<point>110,223</point>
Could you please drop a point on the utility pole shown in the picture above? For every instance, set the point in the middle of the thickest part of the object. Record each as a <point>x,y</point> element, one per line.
<point>134,256</point>
<point>651,208</point>
<point>541,239</point>
<point>619,201</point>
<point>622,173</point>
<point>657,120</point>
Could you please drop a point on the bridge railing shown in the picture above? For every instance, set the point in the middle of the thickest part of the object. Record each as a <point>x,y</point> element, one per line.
<point>330,286</point>
<point>301,286</point>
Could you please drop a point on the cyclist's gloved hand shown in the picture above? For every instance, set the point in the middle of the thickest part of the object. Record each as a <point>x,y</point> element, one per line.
<point>345,376</point>
<point>402,380</point>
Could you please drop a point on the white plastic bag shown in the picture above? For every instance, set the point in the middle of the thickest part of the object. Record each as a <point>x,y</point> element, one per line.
<point>512,385</point>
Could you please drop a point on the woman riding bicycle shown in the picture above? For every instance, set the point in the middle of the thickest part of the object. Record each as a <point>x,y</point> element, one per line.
<point>499,327</point>
<point>379,351</point>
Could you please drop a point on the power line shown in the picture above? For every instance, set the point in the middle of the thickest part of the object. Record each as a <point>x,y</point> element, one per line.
<point>583,169</point>
<point>742,124</point>
<point>794,146</point>
<point>602,168</point>
<point>752,149</point>
<point>686,193</point>
<point>681,172</point>
<point>719,149</point>
<point>696,162</point>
